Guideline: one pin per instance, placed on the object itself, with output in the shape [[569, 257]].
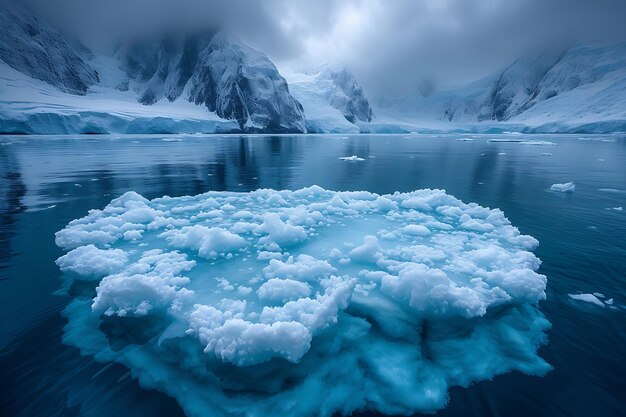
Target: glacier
[[306, 302], [30, 106]]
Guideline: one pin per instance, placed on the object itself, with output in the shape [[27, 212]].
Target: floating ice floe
[[612, 190], [351, 158], [304, 303], [538, 143], [588, 298], [568, 187]]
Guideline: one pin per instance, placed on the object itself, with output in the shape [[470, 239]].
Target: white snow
[[89, 262], [582, 91], [568, 187], [32, 106], [300, 299], [323, 100]]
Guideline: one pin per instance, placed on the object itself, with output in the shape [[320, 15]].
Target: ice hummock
[[307, 302]]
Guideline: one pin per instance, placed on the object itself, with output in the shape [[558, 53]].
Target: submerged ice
[[307, 302]]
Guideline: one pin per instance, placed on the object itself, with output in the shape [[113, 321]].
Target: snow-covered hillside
[[32, 47], [216, 71], [333, 100], [580, 89], [203, 83], [34, 107]]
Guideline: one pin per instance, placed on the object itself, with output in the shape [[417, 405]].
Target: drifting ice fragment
[[568, 187], [351, 158], [588, 298]]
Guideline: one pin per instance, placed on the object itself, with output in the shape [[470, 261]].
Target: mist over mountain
[[195, 74]]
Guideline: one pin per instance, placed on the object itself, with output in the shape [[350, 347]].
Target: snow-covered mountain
[[210, 81], [582, 88], [217, 71], [31, 46], [149, 86], [333, 100]]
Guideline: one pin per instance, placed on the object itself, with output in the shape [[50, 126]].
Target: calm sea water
[[46, 182]]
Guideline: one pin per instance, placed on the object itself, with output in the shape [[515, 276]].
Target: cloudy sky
[[446, 41]]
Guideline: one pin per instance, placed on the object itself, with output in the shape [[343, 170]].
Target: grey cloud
[[394, 41]]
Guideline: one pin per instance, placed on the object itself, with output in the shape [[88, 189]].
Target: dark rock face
[[161, 69], [240, 83], [219, 72], [32, 47], [350, 98]]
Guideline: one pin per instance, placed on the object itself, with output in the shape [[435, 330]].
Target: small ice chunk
[[567, 187], [588, 298], [283, 290], [351, 158], [208, 241], [416, 230], [92, 263]]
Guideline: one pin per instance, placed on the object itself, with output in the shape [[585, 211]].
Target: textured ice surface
[[307, 302]]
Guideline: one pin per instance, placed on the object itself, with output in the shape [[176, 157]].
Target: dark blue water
[[46, 182]]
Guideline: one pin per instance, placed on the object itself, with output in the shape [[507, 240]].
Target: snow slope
[[35, 107], [332, 99], [32, 47], [580, 89], [212, 70]]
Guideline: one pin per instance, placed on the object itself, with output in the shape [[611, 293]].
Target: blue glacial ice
[[307, 302]]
